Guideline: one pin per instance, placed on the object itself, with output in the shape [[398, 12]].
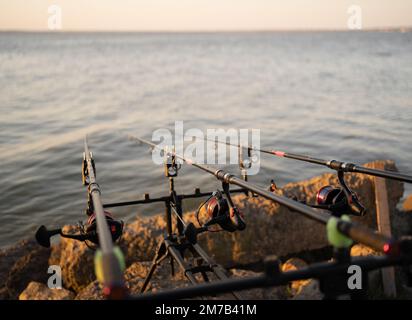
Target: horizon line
[[398, 28]]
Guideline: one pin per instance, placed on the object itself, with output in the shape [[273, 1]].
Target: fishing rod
[[339, 166], [99, 233], [107, 258], [337, 227]]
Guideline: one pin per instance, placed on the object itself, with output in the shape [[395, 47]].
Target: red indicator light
[[386, 248], [106, 291]]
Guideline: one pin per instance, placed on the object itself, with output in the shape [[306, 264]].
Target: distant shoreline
[[383, 29]]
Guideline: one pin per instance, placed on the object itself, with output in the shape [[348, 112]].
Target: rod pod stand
[[175, 245]]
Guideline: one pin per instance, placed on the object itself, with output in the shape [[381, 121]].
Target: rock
[[8, 258], [301, 289], [141, 237], [93, 291], [31, 267], [359, 250], [39, 291], [75, 260], [161, 279], [407, 204], [20, 264], [55, 253]]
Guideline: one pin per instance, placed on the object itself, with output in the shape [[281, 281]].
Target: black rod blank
[[332, 164]]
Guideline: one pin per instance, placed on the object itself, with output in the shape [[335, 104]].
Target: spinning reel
[[220, 211], [339, 201], [87, 233]]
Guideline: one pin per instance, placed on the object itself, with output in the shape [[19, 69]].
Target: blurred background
[[295, 71]]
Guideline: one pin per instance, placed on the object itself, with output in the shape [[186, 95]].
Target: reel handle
[[43, 236], [237, 219], [354, 204]]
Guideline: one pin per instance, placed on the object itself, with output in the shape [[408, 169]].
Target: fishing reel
[[86, 232], [220, 211], [340, 200]]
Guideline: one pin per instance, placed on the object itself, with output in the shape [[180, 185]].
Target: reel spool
[[222, 212], [219, 211], [115, 228], [331, 198], [339, 201]]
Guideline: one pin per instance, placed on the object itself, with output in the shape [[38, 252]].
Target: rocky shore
[[271, 229]]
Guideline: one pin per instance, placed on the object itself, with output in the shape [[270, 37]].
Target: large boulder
[[24, 262]]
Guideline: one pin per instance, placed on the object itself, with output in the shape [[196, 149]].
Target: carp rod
[[340, 228], [107, 265], [332, 164]]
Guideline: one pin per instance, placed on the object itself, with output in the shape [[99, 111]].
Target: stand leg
[[172, 266], [161, 254]]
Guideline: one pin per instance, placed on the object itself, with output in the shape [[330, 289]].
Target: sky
[[202, 15]]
